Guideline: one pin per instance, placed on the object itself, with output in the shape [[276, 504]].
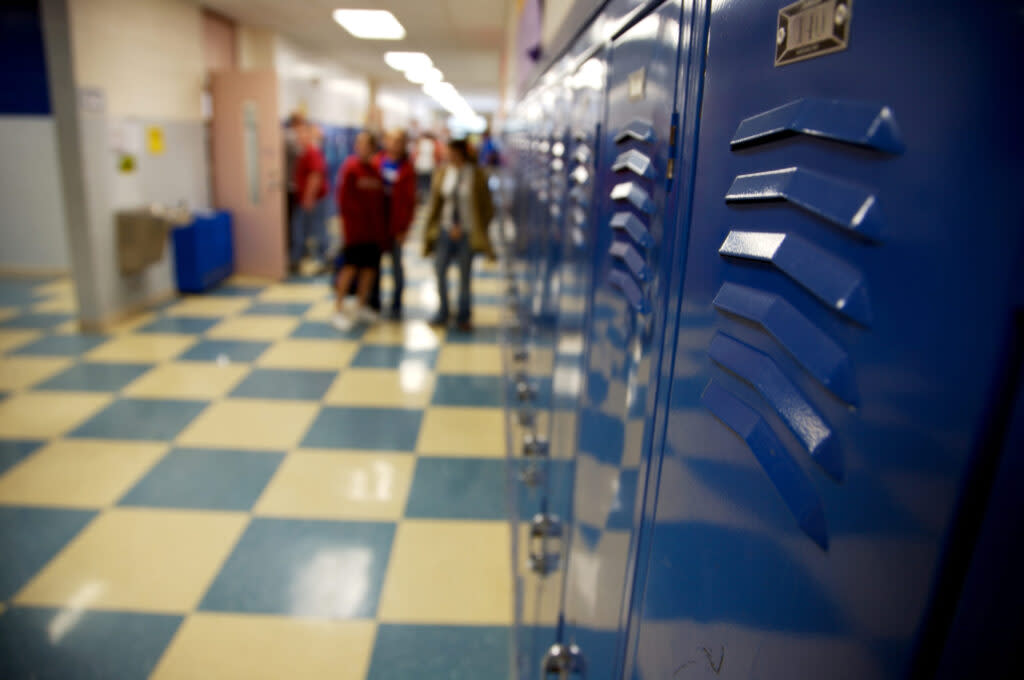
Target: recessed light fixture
[[370, 24], [407, 61], [424, 76]]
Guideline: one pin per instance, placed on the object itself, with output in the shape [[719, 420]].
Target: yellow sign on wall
[[155, 140]]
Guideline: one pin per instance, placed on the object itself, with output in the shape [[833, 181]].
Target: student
[[425, 160], [458, 216], [361, 204], [400, 186], [310, 179]]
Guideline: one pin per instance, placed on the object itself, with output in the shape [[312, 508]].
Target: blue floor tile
[[180, 324], [458, 488], [282, 384], [390, 356], [36, 321], [13, 452], [89, 645], [19, 292], [29, 538], [98, 377], [468, 390], [239, 351], [280, 308], [236, 291], [322, 330], [62, 345], [479, 334], [147, 419], [205, 480], [407, 652], [365, 428], [304, 568]]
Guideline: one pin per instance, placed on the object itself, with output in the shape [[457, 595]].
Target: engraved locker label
[[637, 84], [812, 28]]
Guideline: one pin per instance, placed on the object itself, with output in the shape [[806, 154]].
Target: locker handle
[[830, 279], [796, 489], [853, 208], [544, 528], [862, 124], [763, 374], [810, 346]]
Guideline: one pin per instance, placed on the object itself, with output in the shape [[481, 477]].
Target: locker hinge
[[673, 132]]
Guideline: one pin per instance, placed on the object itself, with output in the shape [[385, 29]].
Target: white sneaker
[[342, 322], [367, 315]]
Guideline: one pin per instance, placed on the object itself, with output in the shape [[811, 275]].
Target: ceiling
[[463, 37]]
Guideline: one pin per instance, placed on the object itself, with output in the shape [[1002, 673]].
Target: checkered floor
[[229, 488]]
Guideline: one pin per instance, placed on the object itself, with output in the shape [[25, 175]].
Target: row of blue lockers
[[764, 343]]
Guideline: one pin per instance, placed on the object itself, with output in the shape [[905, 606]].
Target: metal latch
[[535, 446], [544, 529], [563, 661]]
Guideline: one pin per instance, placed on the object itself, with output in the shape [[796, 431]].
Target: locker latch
[[545, 529], [562, 661]]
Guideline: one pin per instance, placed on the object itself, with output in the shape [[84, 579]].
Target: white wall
[[32, 226], [146, 55], [145, 58], [319, 87]]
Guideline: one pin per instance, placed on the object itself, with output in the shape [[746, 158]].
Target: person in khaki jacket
[[458, 216]]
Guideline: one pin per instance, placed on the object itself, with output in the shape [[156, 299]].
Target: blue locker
[[845, 323], [620, 338]]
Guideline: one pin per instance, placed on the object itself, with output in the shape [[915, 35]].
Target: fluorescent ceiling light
[[370, 24], [408, 61], [424, 76]]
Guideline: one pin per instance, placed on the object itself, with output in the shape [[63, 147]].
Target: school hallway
[[228, 487]]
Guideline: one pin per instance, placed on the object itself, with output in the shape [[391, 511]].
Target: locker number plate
[[812, 28]]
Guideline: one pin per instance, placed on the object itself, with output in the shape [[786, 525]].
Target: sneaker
[[342, 322], [439, 320], [367, 315], [464, 327]]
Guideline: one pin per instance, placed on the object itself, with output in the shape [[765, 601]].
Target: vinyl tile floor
[[227, 487]]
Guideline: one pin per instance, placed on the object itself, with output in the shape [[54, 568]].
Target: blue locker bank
[[764, 342]]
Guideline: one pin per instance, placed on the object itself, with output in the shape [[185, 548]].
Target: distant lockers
[[764, 343]]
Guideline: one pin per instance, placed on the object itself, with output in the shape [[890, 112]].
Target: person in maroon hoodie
[[400, 186], [362, 206]]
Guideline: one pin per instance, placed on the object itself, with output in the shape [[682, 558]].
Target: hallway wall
[[141, 66]]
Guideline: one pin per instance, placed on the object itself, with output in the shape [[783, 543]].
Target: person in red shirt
[[400, 186], [308, 219], [363, 209]]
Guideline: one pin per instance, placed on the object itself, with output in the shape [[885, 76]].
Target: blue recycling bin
[[203, 252]]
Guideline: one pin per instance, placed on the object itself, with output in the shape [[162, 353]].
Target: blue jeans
[[306, 223], [398, 273], [461, 254]]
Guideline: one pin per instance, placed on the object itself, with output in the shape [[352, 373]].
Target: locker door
[[621, 347], [845, 314], [554, 363], [539, 480]]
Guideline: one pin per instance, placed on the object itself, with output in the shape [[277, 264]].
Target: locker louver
[[835, 283], [635, 174]]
